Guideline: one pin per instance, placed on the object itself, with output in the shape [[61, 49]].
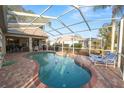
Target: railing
[[76, 49]]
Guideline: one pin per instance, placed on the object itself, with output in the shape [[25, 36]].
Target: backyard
[[61, 46]]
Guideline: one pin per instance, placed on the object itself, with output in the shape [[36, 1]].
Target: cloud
[[67, 9], [85, 10], [88, 12], [76, 16]]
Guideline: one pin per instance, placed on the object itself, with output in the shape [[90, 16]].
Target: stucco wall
[[2, 42]]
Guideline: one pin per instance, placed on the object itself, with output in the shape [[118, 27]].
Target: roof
[[29, 14], [69, 38], [22, 17], [27, 23], [30, 31]]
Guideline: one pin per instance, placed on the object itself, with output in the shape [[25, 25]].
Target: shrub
[[7, 63], [84, 52], [77, 45]]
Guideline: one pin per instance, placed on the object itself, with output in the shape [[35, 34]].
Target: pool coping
[[90, 66], [35, 76], [93, 79]]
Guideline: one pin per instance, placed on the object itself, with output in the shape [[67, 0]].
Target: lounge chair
[[99, 58], [109, 58]]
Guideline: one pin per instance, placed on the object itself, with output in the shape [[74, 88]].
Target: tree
[[117, 10], [106, 33], [19, 8], [95, 43]]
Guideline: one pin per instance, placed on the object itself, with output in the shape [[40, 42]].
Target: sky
[[73, 17]]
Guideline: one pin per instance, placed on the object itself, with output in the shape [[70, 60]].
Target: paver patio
[[109, 77], [17, 74], [21, 73]]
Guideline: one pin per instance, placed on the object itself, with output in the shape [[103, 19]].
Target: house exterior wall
[[3, 27], [30, 44], [29, 41], [3, 18], [2, 46], [2, 42]]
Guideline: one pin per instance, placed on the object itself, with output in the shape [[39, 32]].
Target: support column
[[1, 41], [113, 36], [73, 44], [54, 47], [4, 44], [123, 74], [90, 45], [40, 45], [120, 42], [1, 46], [47, 44], [102, 50], [30, 44], [47, 47], [62, 47]]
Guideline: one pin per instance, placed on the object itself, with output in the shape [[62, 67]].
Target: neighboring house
[[84, 43], [95, 43], [69, 39]]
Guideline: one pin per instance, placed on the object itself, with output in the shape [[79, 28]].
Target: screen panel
[[122, 55]]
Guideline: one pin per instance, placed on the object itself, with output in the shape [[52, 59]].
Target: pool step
[[34, 83], [37, 84], [30, 81], [42, 86]]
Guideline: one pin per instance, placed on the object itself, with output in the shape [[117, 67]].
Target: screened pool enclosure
[[72, 29]]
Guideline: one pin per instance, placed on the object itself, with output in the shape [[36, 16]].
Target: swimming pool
[[61, 72]]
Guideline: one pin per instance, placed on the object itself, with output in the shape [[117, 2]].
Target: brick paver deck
[[16, 75], [24, 74], [109, 77]]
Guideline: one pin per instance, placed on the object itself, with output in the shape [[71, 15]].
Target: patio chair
[[109, 58], [99, 58]]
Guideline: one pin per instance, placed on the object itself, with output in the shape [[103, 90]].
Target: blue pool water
[[60, 72]]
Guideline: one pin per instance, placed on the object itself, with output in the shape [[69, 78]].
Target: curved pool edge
[[40, 84], [93, 79], [92, 70], [89, 66], [35, 79]]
